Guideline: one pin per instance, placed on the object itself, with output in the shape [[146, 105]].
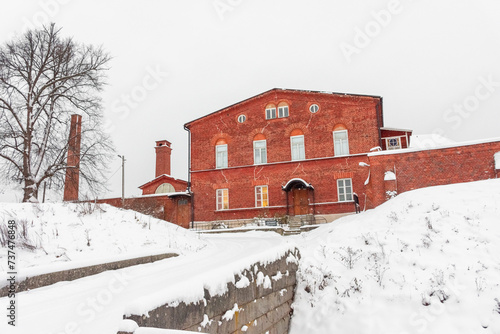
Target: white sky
[[427, 57]]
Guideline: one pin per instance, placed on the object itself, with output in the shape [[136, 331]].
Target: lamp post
[[123, 179]]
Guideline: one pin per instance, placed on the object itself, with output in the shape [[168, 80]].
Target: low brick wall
[[39, 281], [259, 302]]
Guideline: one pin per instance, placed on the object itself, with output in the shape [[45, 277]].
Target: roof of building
[[166, 176], [277, 90]]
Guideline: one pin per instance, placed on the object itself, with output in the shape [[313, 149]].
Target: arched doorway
[[299, 195]]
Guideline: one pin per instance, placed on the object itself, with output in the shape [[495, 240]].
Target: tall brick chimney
[[72, 181], [163, 151]]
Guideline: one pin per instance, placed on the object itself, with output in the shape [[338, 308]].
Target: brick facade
[[361, 116], [424, 168], [228, 192]]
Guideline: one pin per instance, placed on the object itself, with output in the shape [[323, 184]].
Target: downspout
[[379, 121], [189, 175]]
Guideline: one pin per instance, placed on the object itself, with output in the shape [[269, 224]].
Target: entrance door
[[183, 212], [300, 201]]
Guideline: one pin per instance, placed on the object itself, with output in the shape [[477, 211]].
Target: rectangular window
[[221, 156], [261, 197], [393, 143], [270, 113], [344, 189], [283, 111], [222, 199], [298, 150], [340, 143], [259, 152]]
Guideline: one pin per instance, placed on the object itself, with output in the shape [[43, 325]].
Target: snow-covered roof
[[430, 140], [395, 129], [161, 176], [437, 147], [296, 180]]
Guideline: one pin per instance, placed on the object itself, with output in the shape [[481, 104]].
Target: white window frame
[[222, 197], [393, 147], [221, 159], [301, 148], [271, 113], [259, 153], [260, 201], [242, 118], [340, 146], [283, 112], [314, 108], [342, 190]]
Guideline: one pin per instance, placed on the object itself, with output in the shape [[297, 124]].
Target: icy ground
[[427, 261]]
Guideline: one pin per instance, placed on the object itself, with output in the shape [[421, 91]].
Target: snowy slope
[[64, 235], [427, 261]]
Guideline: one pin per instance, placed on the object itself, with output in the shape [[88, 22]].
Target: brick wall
[[175, 210], [360, 115], [425, 168], [321, 174]]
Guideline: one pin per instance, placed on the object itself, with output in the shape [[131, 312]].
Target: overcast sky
[[436, 63]]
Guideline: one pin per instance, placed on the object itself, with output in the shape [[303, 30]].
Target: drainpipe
[[189, 175], [380, 116]]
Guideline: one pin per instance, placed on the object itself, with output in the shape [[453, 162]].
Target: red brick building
[[286, 152]]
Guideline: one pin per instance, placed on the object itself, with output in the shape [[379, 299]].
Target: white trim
[[265, 151], [226, 161], [347, 140], [393, 137], [275, 113], [345, 193], [298, 179], [395, 129], [217, 199], [303, 145], [262, 197]]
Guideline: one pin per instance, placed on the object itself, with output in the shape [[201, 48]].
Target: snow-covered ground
[[96, 304], [427, 261], [60, 236]]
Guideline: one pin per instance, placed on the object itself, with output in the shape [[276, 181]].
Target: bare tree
[[43, 80]]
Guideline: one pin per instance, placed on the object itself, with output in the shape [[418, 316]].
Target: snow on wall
[[389, 176]]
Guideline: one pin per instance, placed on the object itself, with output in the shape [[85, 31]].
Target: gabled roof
[[186, 126], [166, 176]]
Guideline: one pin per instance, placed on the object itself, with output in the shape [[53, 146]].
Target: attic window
[[270, 111], [313, 108], [282, 110], [242, 118]]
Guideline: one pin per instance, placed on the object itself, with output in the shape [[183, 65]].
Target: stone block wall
[[258, 301]]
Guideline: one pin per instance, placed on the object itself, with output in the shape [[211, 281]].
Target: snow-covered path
[[97, 303]]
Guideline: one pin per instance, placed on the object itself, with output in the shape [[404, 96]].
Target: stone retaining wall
[[258, 302], [72, 274]]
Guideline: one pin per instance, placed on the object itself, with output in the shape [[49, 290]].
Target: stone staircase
[[296, 222]]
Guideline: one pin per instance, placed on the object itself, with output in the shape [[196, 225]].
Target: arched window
[[270, 111], [340, 140], [221, 154], [297, 145], [259, 149], [282, 110], [165, 188]]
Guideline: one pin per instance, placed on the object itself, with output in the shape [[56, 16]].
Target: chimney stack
[[71, 183], [163, 151]]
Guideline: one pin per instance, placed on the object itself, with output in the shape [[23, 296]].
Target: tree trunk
[[30, 190]]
